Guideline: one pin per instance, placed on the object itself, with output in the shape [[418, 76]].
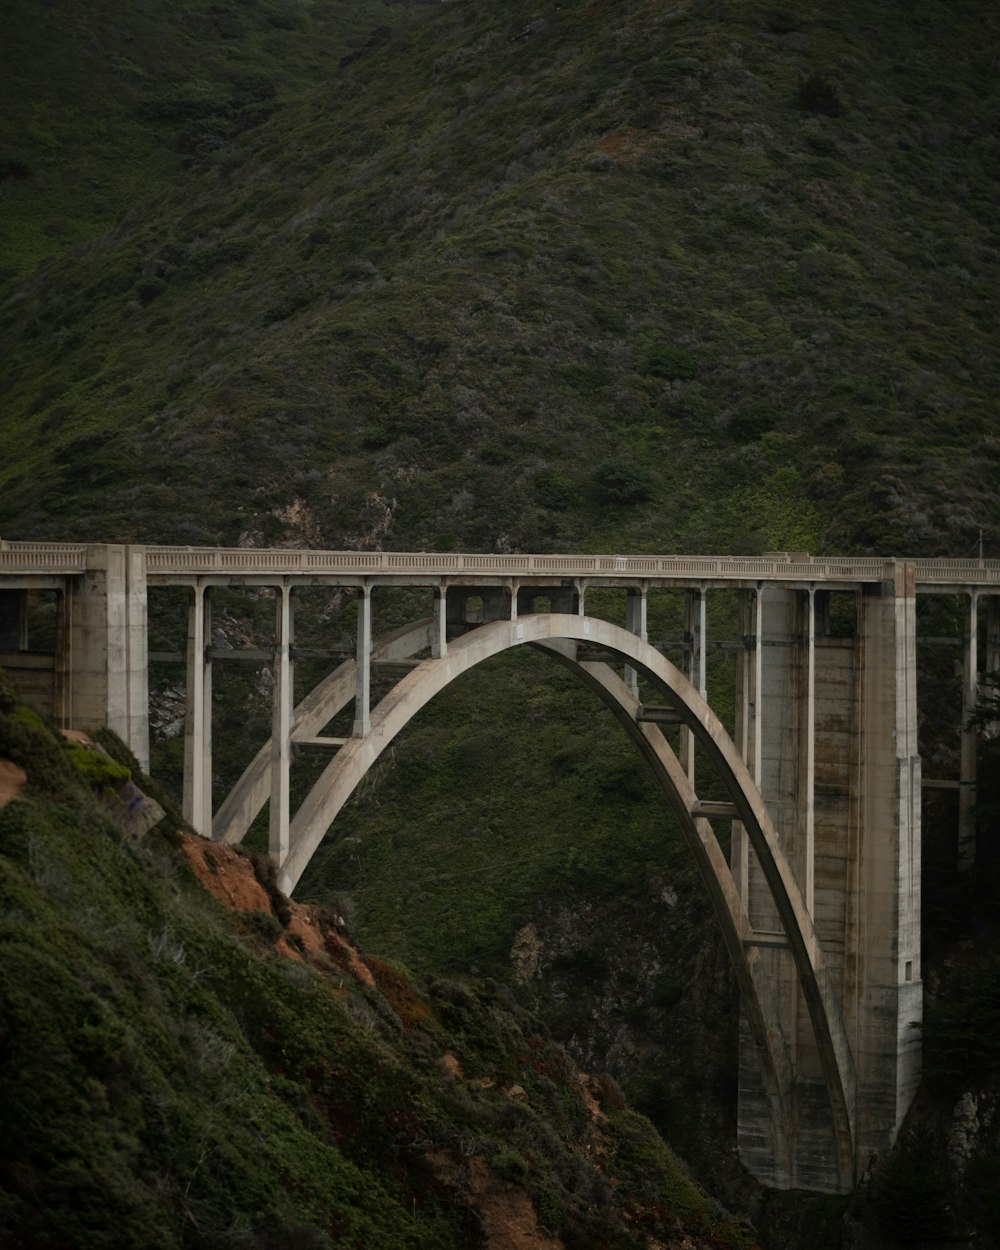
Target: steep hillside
[[645, 274], [178, 1073]]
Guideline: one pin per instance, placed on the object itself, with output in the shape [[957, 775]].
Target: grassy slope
[[104, 108], [565, 238]]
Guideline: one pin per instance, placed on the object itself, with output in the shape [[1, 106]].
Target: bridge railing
[[43, 557], [237, 560], [21, 557]]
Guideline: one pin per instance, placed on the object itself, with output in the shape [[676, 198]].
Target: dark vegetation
[[590, 276], [168, 1080]]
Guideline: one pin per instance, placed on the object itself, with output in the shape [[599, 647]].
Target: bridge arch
[[567, 638], [830, 724]]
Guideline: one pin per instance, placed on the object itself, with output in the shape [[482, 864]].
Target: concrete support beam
[[13, 620], [363, 695], [635, 623], [769, 725], [992, 666], [101, 661], [198, 715], [809, 779], [967, 774], [136, 735], [993, 633], [890, 993], [281, 725], [439, 625], [694, 644], [747, 737]]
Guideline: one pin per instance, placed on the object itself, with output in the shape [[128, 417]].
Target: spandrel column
[[967, 777], [809, 788], [694, 642], [363, 694], [198, 715], [281, 726], [635, 623]]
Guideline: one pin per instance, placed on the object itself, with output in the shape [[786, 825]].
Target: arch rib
[[353, 761], [246, 799]]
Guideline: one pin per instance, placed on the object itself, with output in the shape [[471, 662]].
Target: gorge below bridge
[[818, 899]]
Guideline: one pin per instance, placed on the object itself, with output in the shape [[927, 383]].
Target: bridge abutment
[[101, 656]]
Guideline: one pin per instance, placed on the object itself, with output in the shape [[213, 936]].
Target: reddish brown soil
[[308, 936], [12, 779]]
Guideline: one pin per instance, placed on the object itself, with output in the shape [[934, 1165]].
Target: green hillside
[[641, 275], [676, 277]]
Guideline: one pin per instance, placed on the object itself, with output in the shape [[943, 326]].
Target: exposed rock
[[526, 953]]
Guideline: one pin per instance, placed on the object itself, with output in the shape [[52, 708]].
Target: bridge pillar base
[[102, 658]]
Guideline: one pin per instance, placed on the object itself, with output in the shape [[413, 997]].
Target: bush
[[753, 422], [13, 167], [664, 361], [816, 94], [621, 484], [511, 1166]]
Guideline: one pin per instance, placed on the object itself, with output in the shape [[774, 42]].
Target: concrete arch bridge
[[818, 900]]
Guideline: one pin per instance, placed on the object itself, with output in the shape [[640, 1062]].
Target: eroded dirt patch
[[308, 936], [12, 779], [508, 1217]]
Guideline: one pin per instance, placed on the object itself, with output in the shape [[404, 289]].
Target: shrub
[[816, 94], [665, 361], [13, 167], [753, 421], [511, 1166], [621, 484]]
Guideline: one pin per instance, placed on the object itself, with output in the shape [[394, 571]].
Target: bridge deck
[[180, 565]]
